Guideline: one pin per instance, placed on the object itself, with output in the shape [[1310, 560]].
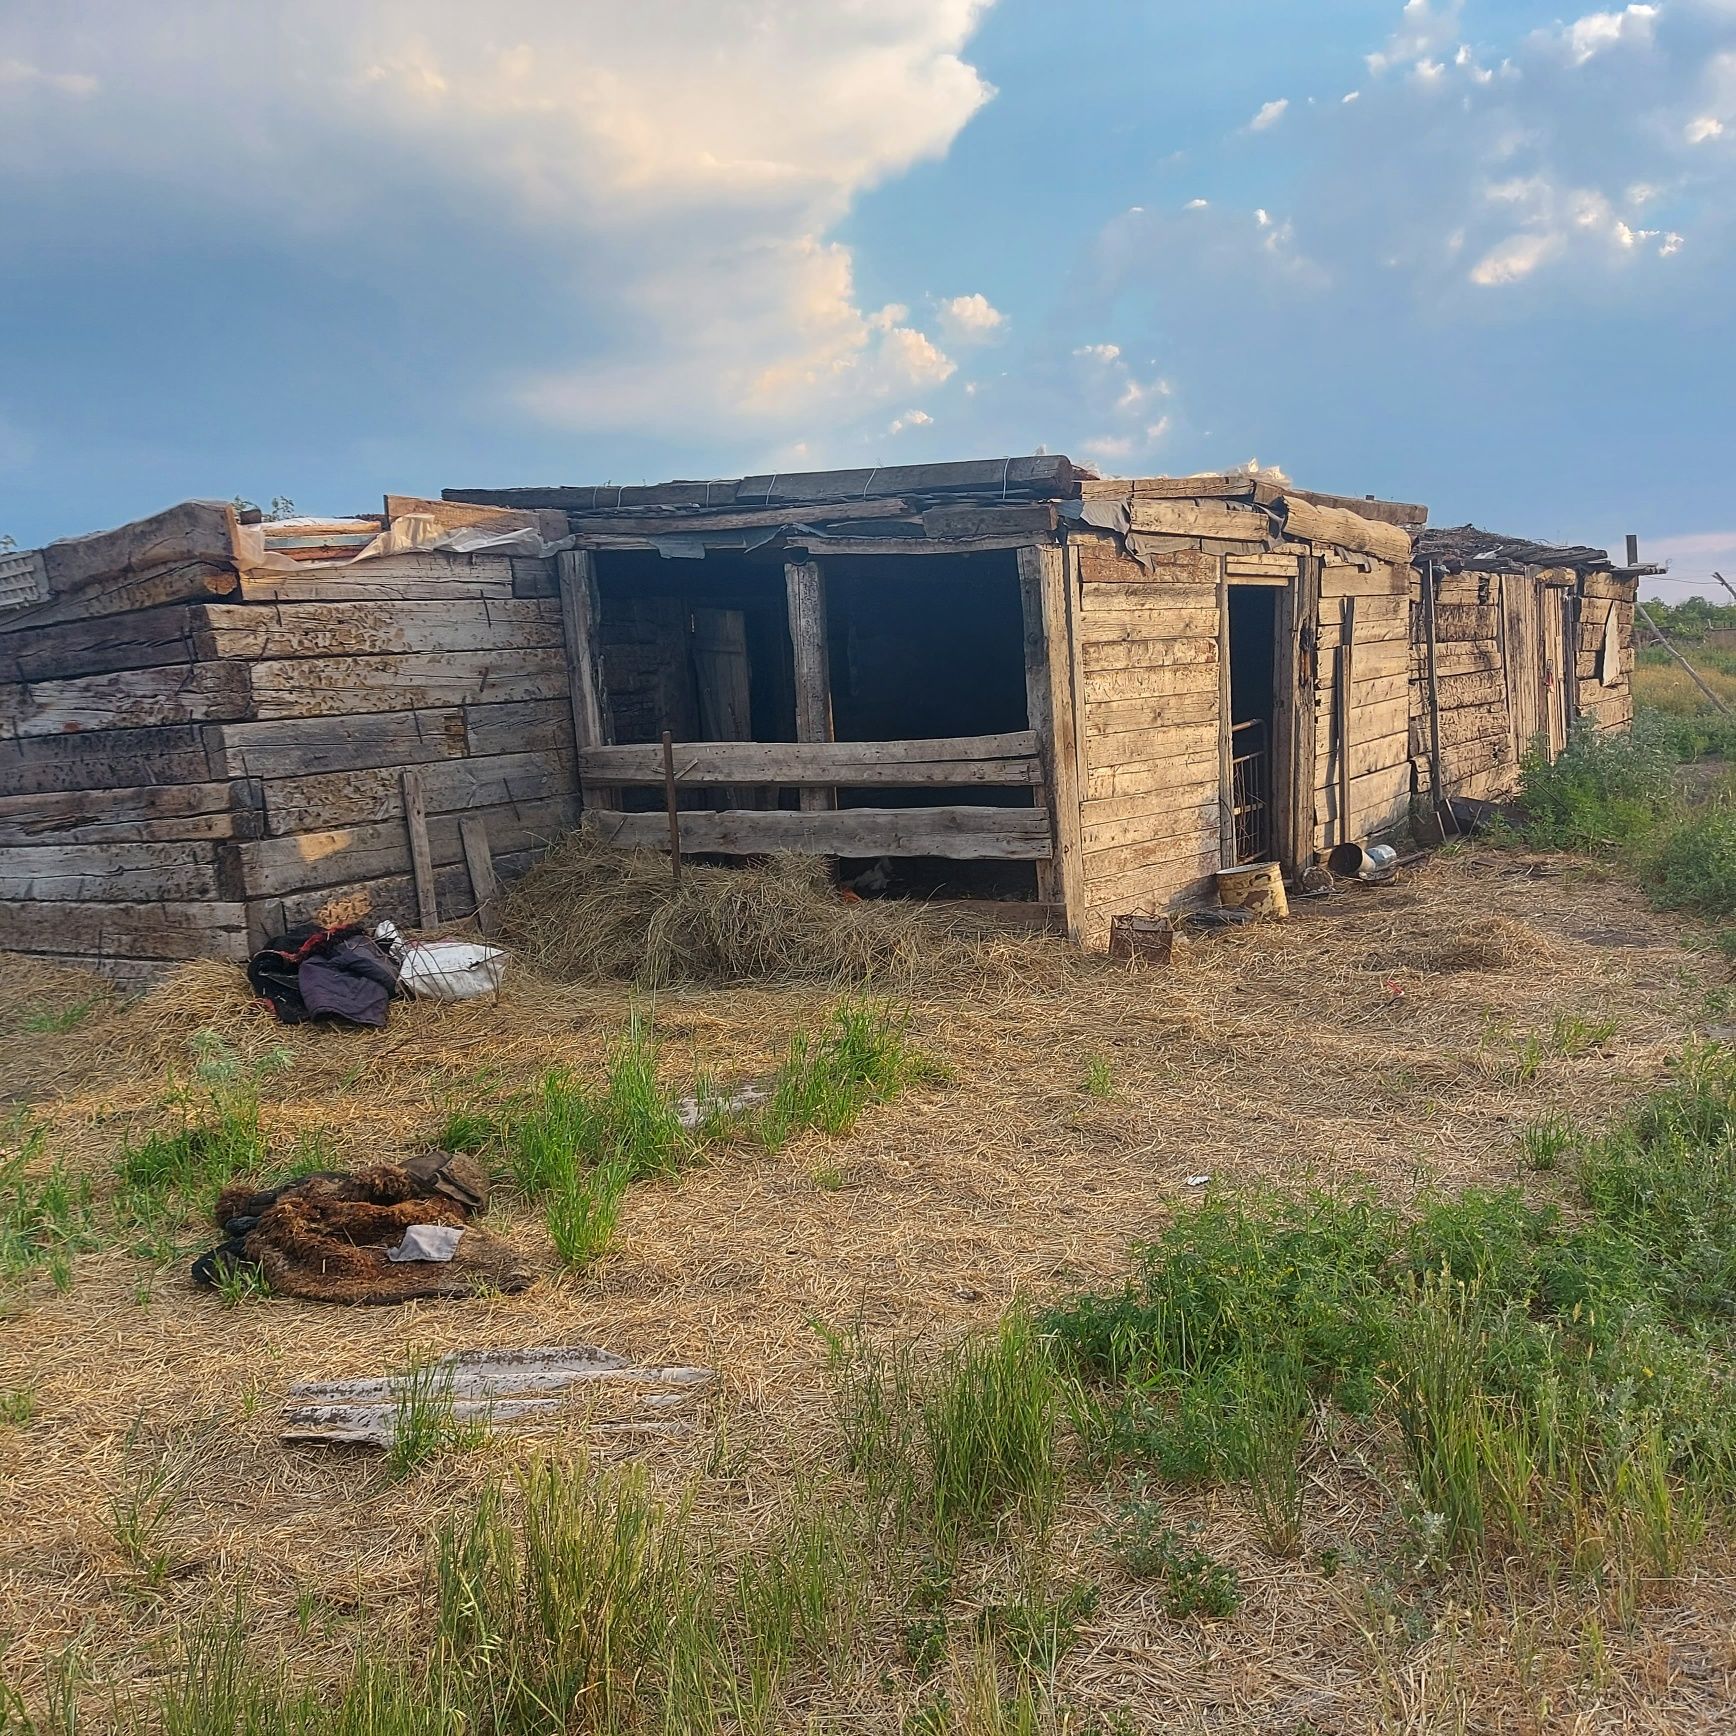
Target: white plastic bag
[[452, 970]]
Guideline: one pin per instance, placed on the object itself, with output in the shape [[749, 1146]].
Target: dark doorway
[[1253, 718]]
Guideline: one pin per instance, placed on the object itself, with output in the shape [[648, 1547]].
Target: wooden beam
[[1227, 853], [958, 834], [577, 576], [421, 858], [479, 861], [1432, 673], [970, 759], [1296, 774], [805, 585], [1040, 709], [1048, 583], [1345, 672]]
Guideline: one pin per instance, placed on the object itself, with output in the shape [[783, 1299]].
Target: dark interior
[[1253, 711], [922, 647]]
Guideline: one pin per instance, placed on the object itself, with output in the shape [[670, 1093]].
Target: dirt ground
[[1372, 1038]]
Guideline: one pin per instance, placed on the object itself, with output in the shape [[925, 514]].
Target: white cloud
[[1197, 205], [1351, 96], [971, 318], [649, 157], [1515, 259], [1269, 115], [1704, 127], [1591, 35], [1099, 352], [21, 72], [910, 419]]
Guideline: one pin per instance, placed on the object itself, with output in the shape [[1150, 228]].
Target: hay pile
[[587, 913], [1484, 943]]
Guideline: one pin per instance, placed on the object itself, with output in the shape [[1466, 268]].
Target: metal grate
[[1250, 798], [22, 579]]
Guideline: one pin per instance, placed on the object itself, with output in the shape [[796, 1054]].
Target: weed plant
[[1539, 1383], [45, 1213]]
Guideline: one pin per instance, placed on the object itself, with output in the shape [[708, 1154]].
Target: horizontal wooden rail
[[965, 759], [961, 834]]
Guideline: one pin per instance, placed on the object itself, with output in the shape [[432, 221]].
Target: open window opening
[[1253, 719], [700, 648], [923, 648]]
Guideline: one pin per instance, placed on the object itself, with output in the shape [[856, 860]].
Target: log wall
[[184, 779], [1500, 654], [1145, 696], [1377, 741]]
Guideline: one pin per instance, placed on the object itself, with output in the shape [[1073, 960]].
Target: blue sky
[[1469, 253]]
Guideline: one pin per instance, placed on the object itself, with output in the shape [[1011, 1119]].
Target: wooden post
[[1227, 854], [576, 569], [1698, 679], [421, 857], [473, 836], [1633, 550], [674, 812], [1346, 673], [1721, 580], [1045, 592], [1299, 764], [1431, 648], [806, 587]]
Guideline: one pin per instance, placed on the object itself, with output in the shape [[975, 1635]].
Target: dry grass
[[1275, 1053], [591, 914]]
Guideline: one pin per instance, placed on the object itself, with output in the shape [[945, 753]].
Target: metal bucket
[[1258, 887]]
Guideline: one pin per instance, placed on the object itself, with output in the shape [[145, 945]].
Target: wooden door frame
[[1295, 652]]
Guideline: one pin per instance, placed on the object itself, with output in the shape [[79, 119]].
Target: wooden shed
[[1013, 679], [1515, 644], [209, 731], [1009, 681]]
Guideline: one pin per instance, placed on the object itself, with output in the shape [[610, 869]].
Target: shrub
[[1603, 792]]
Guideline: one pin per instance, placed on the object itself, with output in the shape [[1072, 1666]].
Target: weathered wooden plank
[[1182, 785], [1112, 717], [126, 699], [1351, 581], [1161, 605], [194, 583], [104, 759], [297, 747], [519, 726], [1112, 825], [1223, 519], [1193, 836], [110, 873], [330, 800], [421, 857], [1475, 723], [1128, 626], [326, 687], [354, 854], [359, 629], [1159, 886], [1102, 562], [1156, 682], [1281, 567], [1098, 657], [1468, 621], [1383, 693], [586, 696], [417, 577], [1048, 583], [966, 834], [146, 639], [158, 930], [1397, 512], [987, 759], [1338, 527], [1047, 475], [1162, 742], [968, 523], [479, 864], [195, 531], [167, 814], [805, 588], [1375, 798]]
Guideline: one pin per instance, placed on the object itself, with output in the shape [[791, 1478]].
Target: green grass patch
[[578, 1146], [177, 1173], [45, 1213], [1536, 1382]]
